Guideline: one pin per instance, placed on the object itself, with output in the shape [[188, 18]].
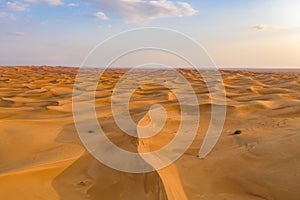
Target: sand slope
[[42, 157]]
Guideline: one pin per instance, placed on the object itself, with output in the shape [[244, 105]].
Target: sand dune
[[42, 157]]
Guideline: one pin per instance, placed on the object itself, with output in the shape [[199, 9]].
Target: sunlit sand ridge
[[43, 158]]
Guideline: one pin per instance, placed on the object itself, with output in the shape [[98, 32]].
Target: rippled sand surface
[[42, 157]]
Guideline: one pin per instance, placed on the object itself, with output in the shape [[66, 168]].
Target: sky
[[244, 33]]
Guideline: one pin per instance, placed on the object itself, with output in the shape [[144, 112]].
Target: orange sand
[[42, 157]]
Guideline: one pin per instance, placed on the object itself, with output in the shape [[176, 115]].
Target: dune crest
[[42, 156], [169, 175]]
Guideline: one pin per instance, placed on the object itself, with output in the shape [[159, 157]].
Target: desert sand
[[42, 157]]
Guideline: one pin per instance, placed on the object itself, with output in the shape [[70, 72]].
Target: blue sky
[[253, 33]]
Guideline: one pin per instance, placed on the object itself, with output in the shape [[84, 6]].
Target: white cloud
[[101, 15], [139, 11], [50, 2], [188, 9], [18, 6], [71, 5]]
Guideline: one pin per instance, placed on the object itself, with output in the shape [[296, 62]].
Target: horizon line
[[178, 67]]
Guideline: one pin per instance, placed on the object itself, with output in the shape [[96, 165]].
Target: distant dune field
[[42, 157]]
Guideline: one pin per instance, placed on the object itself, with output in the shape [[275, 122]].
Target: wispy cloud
[[43, 23], [71, 5], [3, 14], [140, 11], [6, 15], [50, 2], [16, 5], [15, 34], [263, 27], [53, 3], [102, 27], [101, 15]]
